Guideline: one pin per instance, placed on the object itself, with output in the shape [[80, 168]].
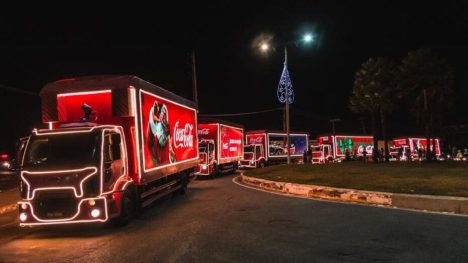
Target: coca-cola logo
[[183, 136], [233, 141], [255, 140], [204, 131]]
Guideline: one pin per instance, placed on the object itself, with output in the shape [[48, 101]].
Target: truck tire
[[234, 167], [128, 207], [261, 164], [215, 171], [183, 183]]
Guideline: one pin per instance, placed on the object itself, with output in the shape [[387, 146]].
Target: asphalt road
[[219, 221]]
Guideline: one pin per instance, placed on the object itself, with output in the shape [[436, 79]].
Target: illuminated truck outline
[[119, 179], [411, 143], [258, 140], [328, 147], [216, 140]]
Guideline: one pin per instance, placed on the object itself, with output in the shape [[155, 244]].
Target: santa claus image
[[159, 135]]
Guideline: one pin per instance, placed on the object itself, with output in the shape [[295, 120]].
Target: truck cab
[[68, 173], [114, 144], [206, 151], [321, 153], [254, 156]]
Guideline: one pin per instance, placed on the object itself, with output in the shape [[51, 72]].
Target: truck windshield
[[248, 149], [61, 151]]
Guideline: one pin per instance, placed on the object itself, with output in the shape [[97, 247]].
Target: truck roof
[[97, 83], [206, 120], [348, 134], [73, 127], [413, 137], [275, 131]]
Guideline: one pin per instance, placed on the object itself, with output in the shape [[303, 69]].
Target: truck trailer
[[221, 146], [266, 147], [332, 148], [113, 145], [410, 146]]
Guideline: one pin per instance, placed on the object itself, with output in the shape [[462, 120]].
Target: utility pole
[[363, 125], [288, 143], [333, 125], [194, 80]]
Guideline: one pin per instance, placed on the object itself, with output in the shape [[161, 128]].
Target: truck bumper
[[86, 210], [247, 164], [203, 170]]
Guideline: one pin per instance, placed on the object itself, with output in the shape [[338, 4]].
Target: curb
[[8, 208], [444, 204]]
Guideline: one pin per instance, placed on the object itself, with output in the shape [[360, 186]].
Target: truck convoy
[[114, 144], [221, 146], [266, 147], [117, 143], [331, 148]]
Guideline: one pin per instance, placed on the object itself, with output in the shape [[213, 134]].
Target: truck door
[[113, 162], [258, 152], [20, 147]]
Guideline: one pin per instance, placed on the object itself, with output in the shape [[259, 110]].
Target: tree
[[426, 79], [373, 92]]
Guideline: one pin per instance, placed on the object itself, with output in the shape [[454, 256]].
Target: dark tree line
[[422, 81]]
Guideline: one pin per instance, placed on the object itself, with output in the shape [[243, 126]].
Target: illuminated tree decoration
[[346, 143], [285, 83]]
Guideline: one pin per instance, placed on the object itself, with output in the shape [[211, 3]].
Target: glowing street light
[[264, 47], [308, 38]]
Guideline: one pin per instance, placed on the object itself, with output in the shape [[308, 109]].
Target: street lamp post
[[285, 92], [288, 143]]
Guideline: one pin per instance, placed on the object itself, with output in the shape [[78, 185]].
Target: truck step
[[158, 189], [158, 196]]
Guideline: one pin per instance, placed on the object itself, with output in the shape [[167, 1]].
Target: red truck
[[114, 144], [266, 147], [409, 146], [331, 148], [220, 146]]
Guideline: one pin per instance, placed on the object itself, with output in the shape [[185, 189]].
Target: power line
[[239, 114], [18, 90]]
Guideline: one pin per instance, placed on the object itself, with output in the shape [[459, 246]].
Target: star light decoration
[[285, 83]]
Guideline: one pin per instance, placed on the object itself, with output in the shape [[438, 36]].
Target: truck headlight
[[23, 217], [95, 213]]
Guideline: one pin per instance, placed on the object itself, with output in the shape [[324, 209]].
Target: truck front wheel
[[128, 207], [215, 171], [261, 164]]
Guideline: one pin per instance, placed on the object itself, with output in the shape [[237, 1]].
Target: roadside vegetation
[[440, 178]]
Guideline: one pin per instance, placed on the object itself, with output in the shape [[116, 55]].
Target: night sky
[[155, 41]]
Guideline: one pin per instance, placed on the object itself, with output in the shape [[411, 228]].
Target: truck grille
[[55, 204]]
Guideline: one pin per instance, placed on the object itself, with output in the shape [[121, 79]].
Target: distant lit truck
[[267, 147], [412, 146], [113, 144], [331, 148], [221, 146]]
